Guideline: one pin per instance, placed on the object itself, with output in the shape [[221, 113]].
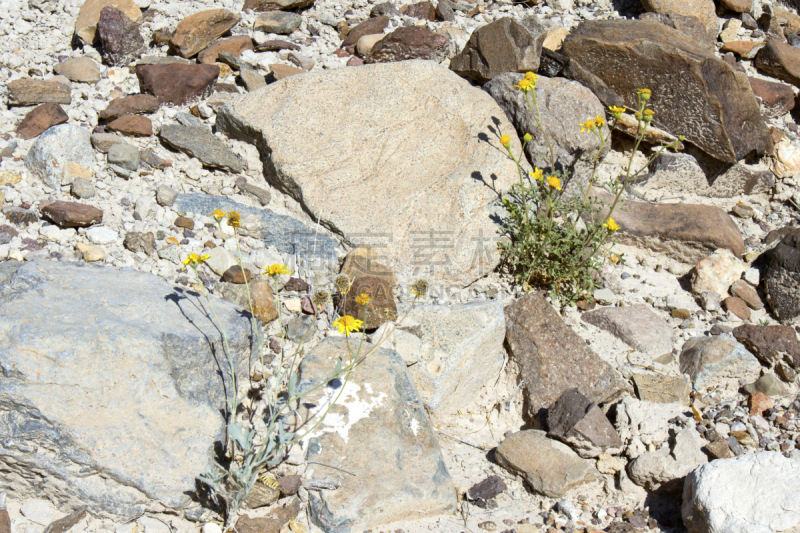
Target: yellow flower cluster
[[554, 182], [363, 299], [234, 219], [276, 270], [611, 224], [528, 83], [194, 260], [537, 174]]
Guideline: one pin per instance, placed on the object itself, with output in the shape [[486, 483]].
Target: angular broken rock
[[54, 148], [233, 45], [552, 358], [579, 422], [770, 344], [72, 214], [717, 272], [776, 98], [276, 5], [563, 105], [89, 15], [133, 104], [39, 119], [460, 350], [111, 448], [685, 232], [501, 46], [378, 411], [132, 125], [702, 10], [197, 31], [715, 108], [782, 277], [371, 26], [548, 466], [120, 38], [717, 360], [664, 469], [177, 83], [780, 60], [662, 388], [409, 42], [635, 325], [201, 144], [28, 91], [464, 162], [690, 25]]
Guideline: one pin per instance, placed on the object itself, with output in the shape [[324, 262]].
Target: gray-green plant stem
[[253, 320], [539, 125]]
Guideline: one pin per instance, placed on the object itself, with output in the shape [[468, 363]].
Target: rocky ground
[[668, 401]]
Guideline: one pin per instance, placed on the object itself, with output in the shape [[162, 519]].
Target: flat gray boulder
[[635, 325], [411, 158], [379, 431], [113, 386]]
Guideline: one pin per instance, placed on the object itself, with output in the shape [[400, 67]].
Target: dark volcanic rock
[[768, 343], [368, 27], [695, 94], [496, 48], [416, 42], [579, 422], [72, 214], [121, 40], [134, 104], [782, 278], [39, 119]]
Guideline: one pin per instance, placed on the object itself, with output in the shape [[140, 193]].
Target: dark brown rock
[[715, 108], [496, 48], [483, 491], [28, 91], [236, 274], [275, 5], [19, 215], [688, 25], [184, 222], [703, 10], [686, 232], [134, 104], [370, 26], [120, 38], [260, 295], [199, 30], [273, 45], [296, 284], [72, 214], [782, 277], [780, 60], [420, 10], [62, 525], [552, 358], [768, 342], [140, 242], [576, 420], [737, 307], [747, 293], [132, 125], [39, 119], [354, 62], [776, 99], [444, 12], [233, 45], [416, 42], [280, 71], [176, 83], [271, 523], [719, 449]]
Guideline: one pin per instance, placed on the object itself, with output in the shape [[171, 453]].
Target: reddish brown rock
[[420, 10], [72, 214], [39, 119], [135, 104], [780, 60], [197, 31], [703, 10], [769, 342], [686, 232], [760, 402], [552, 358], [370, 26], [280, 71], [354, 62], [236, 274], [744, 49], [414, 42], [132, 125], [177, 83], [271, 523], [776, 99], [715, 109], [737, 307], [28, 91], [234, 45], [747, 293], [184, 222]]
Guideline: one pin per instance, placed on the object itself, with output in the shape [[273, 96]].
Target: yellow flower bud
[[505, 140]]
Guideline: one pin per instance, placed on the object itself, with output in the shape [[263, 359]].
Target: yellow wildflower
[[348, 324], [536, 174], [554, 182], [218, 214], [505, 140], [611, 224], [234, 220], [588, 125], [599, 121], [616, 111], [194, 260], [532, 77], [363, 299], [524, 85], [276, 270], [644, 94], [527, 137]]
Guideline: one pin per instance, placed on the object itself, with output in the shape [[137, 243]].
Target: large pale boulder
[[411, 156], [114, 384], [695, 94]]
